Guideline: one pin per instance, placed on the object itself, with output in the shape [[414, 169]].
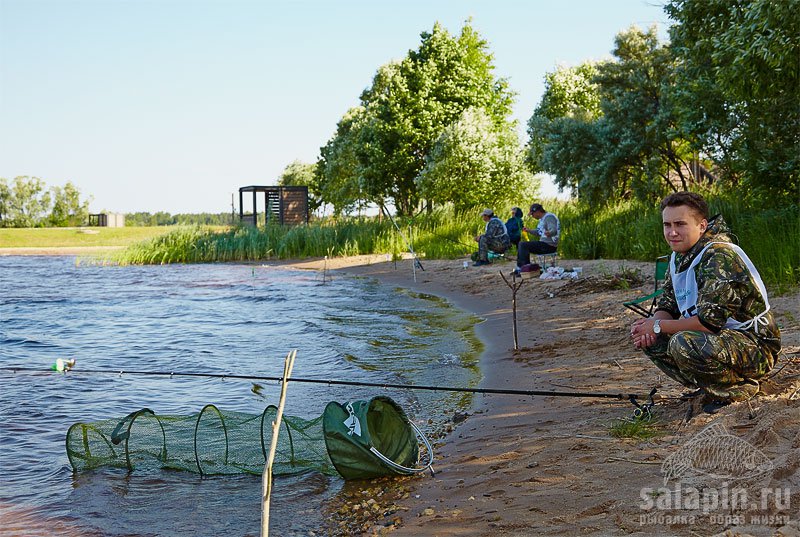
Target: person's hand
[[642, 333]]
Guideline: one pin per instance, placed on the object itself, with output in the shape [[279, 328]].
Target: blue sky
[[172, 105]]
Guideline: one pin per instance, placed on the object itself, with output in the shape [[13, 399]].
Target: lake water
[[219, 318]]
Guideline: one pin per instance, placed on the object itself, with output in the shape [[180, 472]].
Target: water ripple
[[222, 319]]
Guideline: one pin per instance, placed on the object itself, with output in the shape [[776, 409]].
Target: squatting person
[[712, 328]]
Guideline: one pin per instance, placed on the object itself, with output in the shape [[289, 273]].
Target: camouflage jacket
[[724, 288], [495, 230]]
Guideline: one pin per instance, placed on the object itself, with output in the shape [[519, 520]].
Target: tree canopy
[[737, 83], [720, 103], [26, 202], [473, 162], [385, 146]]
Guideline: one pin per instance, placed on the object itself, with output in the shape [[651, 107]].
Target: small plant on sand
[[636, 428]]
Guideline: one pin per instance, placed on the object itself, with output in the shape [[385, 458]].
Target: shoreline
[[549, 465], [545, 465], [58, 250]]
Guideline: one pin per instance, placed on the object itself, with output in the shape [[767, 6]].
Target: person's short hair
[[694, 201], [535, 208]]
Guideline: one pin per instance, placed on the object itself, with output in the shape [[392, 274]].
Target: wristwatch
[[657, 326]]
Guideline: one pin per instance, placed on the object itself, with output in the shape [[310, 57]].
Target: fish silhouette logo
[[352, 423], [716, 453]]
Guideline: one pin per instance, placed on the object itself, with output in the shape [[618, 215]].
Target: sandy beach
[[549, 465]]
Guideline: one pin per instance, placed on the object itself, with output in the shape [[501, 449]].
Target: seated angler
[[514, 226], [494, 238], [548, 230], [712, 328]]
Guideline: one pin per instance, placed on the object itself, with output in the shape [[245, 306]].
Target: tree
[[648, 151], [338, 166], [301, 174], [569, 93], [474, 162], [609, 129], [411, 102], [25, 202], [68, 210], [5, 193], [738, 86]]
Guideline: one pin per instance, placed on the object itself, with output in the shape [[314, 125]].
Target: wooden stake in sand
[[266, 478], [514, 287]]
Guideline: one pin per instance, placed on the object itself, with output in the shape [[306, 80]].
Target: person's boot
[[715, 405]]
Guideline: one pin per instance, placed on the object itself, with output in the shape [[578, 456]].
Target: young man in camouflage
[[712, 328], [494, 238]]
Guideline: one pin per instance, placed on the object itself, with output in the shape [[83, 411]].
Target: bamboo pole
[[266, 478]]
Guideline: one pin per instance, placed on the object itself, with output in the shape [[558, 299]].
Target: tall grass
[[628, 230], [633, 230]]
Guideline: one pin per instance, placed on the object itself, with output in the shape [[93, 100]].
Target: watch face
[[657, 327]]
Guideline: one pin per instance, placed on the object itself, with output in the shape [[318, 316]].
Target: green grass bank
[[47, 237], [628, 230]]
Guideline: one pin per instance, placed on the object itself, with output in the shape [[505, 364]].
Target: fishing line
[[530, 393], [417, 262]]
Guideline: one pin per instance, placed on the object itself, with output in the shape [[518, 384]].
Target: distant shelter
[[107, 220], [285, 205]]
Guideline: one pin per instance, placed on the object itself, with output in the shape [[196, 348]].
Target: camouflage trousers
[[726, 365], [498, 246]]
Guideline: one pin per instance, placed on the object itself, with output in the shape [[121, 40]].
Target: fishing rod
[[494, 391], [417, 262]]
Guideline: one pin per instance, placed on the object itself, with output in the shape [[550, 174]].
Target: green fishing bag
[[367, 439]]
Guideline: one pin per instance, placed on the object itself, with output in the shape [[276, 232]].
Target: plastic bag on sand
[[558, 273]]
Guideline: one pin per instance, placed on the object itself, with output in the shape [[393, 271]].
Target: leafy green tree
[[68, 210], [638, 119], [569, 92], [301, 174], [338, 166], [25, 202], [411, 102], [738, 86], [5, 193], [622, 140], [474, 162]]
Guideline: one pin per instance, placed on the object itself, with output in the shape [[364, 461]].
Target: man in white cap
[[494, 238]]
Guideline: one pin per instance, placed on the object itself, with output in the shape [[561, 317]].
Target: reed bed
[[627, 230]]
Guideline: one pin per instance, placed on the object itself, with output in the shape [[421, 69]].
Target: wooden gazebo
[[282, 204]]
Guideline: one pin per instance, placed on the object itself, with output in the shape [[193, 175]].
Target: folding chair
[[662, 264], [543, 258]]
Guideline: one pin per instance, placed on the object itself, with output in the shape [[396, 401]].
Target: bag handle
[[406, 469]]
